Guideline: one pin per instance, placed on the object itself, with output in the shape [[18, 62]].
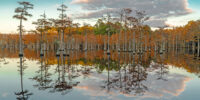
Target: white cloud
[[79, 1], [5, 94], [157, 89], [160, 10]]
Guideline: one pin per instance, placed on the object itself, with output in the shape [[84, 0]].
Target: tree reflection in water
[[129, 78], [135, 76], [43, 76], [23, 94], [162, 69], [64, 83], [126, 73], [85, 70], [3, 61]]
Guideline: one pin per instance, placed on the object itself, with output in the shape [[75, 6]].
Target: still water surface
[[93, 75]]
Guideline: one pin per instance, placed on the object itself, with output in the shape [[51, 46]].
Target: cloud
[[95, 14], [158, 9], [5, 94], [156, 22], [156, 89], [79, 1]]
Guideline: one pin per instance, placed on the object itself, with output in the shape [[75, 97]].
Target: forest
[[117, 31], [120, 57]]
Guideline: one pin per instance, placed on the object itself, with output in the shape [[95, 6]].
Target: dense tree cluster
[[122, 31]]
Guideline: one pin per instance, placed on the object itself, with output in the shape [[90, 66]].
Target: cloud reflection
[[157, 89]]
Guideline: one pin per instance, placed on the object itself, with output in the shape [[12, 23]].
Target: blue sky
[[9, 25], [89, 10], [182, 20], [194, 4]]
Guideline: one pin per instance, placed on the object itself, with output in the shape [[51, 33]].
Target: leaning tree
[[22, 14]]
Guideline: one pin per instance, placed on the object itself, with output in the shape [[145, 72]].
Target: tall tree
[[63, 21], [141, 18], [22, 14], [42, 26]]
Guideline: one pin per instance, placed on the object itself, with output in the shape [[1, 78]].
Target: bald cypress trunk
[[133, 43], [198, 47], [20, 38], [176, 43], [86, 44], [145, 44], [104, 44], [193, 47]]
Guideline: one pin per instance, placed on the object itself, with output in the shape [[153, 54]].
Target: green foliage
[[102, 27], [102, 64]]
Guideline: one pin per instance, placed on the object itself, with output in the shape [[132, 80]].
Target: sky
[[161, 12]]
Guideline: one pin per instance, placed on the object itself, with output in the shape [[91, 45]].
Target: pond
[[94, 75]]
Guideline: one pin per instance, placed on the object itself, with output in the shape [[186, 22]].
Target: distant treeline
[[97, 35]]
